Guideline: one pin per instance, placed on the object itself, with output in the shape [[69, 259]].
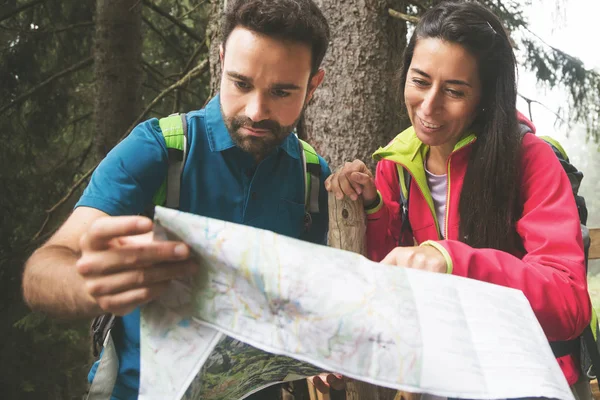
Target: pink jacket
[[551, 273]]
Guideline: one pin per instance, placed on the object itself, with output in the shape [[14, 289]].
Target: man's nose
[[257, 108]]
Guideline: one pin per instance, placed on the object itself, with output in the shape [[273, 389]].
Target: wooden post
[[347, 225], [347, 231]]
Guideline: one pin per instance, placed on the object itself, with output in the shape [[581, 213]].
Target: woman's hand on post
[[426, 258], [353, 179]]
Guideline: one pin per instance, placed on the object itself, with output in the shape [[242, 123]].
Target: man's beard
[[258, 147]]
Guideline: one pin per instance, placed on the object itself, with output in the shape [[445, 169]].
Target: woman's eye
[[455, 93], [419, 82]]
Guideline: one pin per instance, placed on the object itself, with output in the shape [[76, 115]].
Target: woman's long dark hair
[[489, 203]]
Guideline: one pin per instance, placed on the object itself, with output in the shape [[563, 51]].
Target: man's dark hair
[[295, 20]]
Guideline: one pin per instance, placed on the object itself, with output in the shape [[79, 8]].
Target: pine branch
[[194, 73], [74, 68], [557, 50], [158, 73], [402, 16], [137, 3], [418, 5], [163, 37], [66, 158], [531, 101], [192, 10], [17, 10], [49, 31], [195, 54], [68, 27], [174, 20]]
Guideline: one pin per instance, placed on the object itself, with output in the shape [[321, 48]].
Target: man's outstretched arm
[[96, 264]]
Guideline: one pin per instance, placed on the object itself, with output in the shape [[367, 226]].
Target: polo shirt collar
[[219, 138]]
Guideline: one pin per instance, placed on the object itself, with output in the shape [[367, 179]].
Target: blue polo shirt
[[219, 181]]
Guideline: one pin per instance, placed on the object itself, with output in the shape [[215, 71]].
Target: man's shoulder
[[196, 116], [196, 121]]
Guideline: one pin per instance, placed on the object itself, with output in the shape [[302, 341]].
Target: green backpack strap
[[556, 145], [174, 130], [312, 176]]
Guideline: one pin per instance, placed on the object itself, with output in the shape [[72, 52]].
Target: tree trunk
[[118, 61], [357, 109], [217, 8]]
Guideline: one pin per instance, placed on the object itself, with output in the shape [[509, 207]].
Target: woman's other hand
[[426, 258]]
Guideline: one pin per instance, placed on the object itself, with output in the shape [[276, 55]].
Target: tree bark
[[217, 7], [118, 69], [357, 109]]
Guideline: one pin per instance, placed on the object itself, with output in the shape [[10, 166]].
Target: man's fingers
[[319, 384], [135, 240], [124, 303], [323, 382], [105, 229], [131, 257], [140, 278], [336, 381]]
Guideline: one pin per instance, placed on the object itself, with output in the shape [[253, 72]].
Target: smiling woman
[[441, 94], [471, 184]]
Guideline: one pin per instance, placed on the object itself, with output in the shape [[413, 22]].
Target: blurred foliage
[[47, 89]]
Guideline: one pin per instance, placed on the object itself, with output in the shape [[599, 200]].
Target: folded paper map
[[266, 308]]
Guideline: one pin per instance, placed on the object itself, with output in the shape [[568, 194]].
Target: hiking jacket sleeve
[[551, 273], [384, 222]]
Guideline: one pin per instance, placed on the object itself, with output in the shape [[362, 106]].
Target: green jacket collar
[[406, 149], [408, 152]]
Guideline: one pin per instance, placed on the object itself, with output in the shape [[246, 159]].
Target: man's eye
[[241, 85], [280, 93]]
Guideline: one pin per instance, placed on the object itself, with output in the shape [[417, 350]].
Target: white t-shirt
[[438, 186]]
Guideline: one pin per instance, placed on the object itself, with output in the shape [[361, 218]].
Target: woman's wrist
[[373, 203]]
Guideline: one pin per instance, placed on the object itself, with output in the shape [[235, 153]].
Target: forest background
[[77, 76]]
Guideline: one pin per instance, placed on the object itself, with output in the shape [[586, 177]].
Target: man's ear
[[314, 83], [221, 54]]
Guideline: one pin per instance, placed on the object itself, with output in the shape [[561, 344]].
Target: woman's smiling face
[[442, 91]]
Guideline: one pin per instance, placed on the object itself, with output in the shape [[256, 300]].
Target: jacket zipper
[[446, 224]]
